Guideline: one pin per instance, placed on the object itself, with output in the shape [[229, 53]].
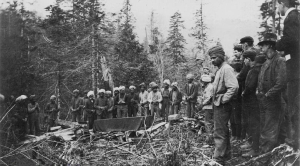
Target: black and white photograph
[[149, 82]]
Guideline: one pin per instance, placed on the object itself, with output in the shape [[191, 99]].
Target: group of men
[[258, 92], [152, 101]]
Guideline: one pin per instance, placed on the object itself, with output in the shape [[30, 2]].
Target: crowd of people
[[254, 98]]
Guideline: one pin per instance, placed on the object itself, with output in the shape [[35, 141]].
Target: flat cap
[[238, 47], [249, 54], [246, 39]]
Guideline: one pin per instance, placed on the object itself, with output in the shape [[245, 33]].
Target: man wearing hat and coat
[[165, 92], [289, 44], [191, 94], [271, 83], [76, 106], [250, 102], [90, 109], [33, 116], [52, 112], [143, 98], [225, 87], [175, 99], [133, 99], [155, 99], [101, 104]]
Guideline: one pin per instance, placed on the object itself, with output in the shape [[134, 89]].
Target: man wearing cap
[[165, 92], [225, 87], [175, 99], [143, 98], [251, 104], [116, 93], [90, 109], [133, 99], [191, 93], [154, 99], [121, 102], [110, 106], [101, 105], [52, 112], [271, 83], [33, 116], [76, 106], [84, 100], [207, 103], [289, 44]]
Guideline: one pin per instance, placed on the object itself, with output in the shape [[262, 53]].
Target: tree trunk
[[94, 64], [273, 16]]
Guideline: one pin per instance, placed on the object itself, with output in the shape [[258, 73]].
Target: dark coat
[[272, 77], [193, 92], [290, 43], [251, 84], [178, 98]]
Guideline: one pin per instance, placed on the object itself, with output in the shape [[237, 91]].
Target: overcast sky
[[227, 20]]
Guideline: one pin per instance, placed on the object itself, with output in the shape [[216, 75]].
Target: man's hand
[[247, 62]]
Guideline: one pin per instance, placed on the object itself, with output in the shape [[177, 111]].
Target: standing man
[[143, 98], [191, 93], [154, 99], [122, 103], [207, 103], [165, 91], [90, 109], [175, 99], [20, 117], [271, 82], [101, 105], [52, 112], [290, 45], [85, 99], [110, 106], [116, 94], [133, 102], [225, 87], [251, 104], [76, 106], [33, 116]]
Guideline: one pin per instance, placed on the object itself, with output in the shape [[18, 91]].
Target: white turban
[[22, 97], [52, 97], [206, 78], [167, 81], [101, 91], [174, 84], [122, 87], [116, 89], [190, 76], [132, 87], [90, 93], [108, 92], [76, 91]]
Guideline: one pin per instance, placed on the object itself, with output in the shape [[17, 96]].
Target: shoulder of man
[[294, 14]]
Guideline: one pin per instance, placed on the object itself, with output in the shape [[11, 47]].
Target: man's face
[[154, 89], [264, 48], [215, 60], [244, 46], [132, 90], [91, 97], [174, 87], [101, 94], [122, 91], [52, 100], [190, 80], [116, 93], [247, 61], [166, 85], [142, 88], [76, 94]]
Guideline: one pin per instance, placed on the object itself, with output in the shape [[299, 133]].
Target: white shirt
[[143, 97]]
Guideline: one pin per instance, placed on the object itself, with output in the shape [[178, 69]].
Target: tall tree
[[131, 64], [175, 39]]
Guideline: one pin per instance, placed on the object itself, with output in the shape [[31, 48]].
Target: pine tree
[[175, 39]]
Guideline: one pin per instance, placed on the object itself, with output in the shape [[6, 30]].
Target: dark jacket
[[90, 107], [193, 92], [290, 43], [251, 83], [272, 77], [245, 69], [125, 98], [101, 105], [178, 99], [52, 110]]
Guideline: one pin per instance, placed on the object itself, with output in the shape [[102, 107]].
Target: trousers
[[33, 120], [270, 119], [190, 110], [221, 132], [155, 108], [235, 118], [76, 116], [174, 109], [209, 120], [164, 112], [122, 111]]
